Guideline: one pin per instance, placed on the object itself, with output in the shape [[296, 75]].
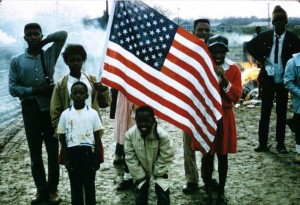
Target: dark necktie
[[276, 49]]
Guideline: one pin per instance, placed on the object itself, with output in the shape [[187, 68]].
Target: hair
[[80, 83], [146, 108], [74, 49], [32, 26], [200, 21]]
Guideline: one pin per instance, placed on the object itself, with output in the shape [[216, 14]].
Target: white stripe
[[199, 86], [188, 76], [160, 76], [188, 59], [134, 92]]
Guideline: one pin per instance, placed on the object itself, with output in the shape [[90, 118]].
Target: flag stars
[[154, 23], [148, 24], [164, 46], [125, 31], [144, 51], [148, 42], [145, 16], [164, 29], [137, 53], [167, 36], [135, 9], [127, 39], [161, 21], [145, 34], [135, 28], [161, 38], [150, 49], [156, 64], [157, 30], [152, 14], [146, 58], [153, 56], [151, 32], [160, 55], [171, 27]]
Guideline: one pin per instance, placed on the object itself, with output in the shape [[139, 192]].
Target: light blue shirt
[[27, 71], [292, 80], [275, 69]]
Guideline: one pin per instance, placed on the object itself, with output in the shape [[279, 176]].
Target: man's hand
[[44, 89]]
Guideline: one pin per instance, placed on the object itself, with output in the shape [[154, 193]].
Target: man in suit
[[273, 49]]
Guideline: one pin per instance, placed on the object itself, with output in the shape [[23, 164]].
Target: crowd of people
[[68, 112]]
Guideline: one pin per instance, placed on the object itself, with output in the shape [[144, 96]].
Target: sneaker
[[297, 158], [189, 188], [281, 149], [38, 198], [261, 148], [54, 198], [125, 184]]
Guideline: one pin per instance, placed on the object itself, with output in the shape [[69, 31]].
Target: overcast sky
[[182, 8]]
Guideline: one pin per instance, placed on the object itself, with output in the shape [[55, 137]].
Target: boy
[[30, 77], [79, 133], [149, 152]]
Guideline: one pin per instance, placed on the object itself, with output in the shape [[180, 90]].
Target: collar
[[281, 36], [227, 63]]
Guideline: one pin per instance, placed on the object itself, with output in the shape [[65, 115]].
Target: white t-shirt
[[79, 126]]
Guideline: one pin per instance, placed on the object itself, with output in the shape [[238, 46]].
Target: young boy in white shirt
[[79, 133]]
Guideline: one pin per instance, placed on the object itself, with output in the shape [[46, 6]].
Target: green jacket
[[149, 158], [60, 99]]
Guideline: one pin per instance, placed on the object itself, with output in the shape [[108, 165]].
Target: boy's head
[[79, 93], [144, 117], [218, 47], [33, 35], [202, 29]]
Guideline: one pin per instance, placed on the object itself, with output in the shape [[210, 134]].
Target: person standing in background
[[31, 80], [292, 84], [273, 49], [202, 31]]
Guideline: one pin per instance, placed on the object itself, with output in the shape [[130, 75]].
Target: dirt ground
[[253, 178]]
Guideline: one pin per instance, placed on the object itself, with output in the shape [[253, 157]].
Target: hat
[[218, 40], [279, 13]]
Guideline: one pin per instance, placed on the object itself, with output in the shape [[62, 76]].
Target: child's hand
[[96, 166]]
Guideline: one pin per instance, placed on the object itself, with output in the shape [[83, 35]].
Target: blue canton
[[143, 32]]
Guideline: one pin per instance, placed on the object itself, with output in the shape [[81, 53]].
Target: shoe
[[207, 201], [38, 198], [297, 158], [118, 161], [281, 149], [221, 200], [189, 188], [214, 185], [125, 184], [261, 148], [54, 198]]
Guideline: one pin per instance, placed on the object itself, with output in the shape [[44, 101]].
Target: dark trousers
[[297, 123], [141, 195], [38, 129], [269, 90], [207, 168], [120, 152], [82, 175]]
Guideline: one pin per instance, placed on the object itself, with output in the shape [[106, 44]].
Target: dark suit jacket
[[260, 46]]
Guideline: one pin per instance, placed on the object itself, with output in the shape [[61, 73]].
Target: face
[[79, 95], [202, 30], [75, 62], [144, 121], [218, 53], [279, 25], [33, 37]]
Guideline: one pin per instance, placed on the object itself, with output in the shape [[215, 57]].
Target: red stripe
[[194, 71], [151, 94]]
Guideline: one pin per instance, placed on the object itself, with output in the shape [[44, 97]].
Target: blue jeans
[[38, 129], [141, 195]]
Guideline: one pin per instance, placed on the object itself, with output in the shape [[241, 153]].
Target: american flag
[[153, 61]]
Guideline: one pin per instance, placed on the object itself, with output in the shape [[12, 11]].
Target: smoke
[[53, 16]]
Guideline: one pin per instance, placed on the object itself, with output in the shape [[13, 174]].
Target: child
[[79, 133], [149, 151]]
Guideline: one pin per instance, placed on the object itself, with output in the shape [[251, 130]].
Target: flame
[[250, 71]]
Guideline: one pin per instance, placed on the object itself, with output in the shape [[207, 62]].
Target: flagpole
[[108, 29]]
